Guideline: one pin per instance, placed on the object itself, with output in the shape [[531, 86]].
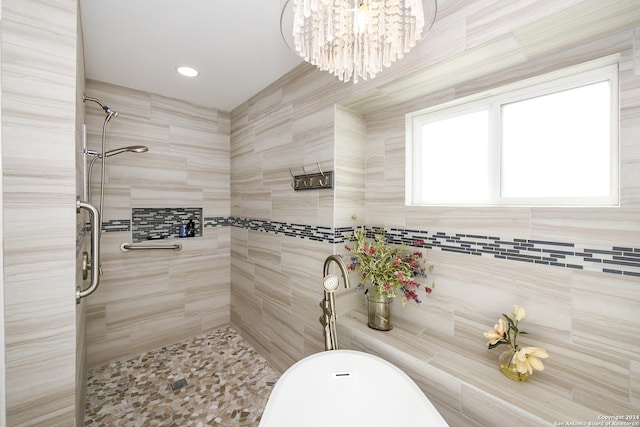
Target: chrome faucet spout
[[328, 304]]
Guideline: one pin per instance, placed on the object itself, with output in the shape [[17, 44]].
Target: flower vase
[[509, 367], [379, 311]]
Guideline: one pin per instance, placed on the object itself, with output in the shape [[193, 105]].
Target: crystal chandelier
[[356, 38]]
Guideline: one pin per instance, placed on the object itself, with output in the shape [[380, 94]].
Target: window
[[548, 141]]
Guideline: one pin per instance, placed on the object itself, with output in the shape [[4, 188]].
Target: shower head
[[330, 282], [131, 148]]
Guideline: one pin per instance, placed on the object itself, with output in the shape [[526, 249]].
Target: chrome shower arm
[[86, 98], [106, 109]]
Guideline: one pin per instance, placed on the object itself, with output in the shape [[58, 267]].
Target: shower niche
[[164, 223]]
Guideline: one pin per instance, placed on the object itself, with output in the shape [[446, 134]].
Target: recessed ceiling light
[[187, 71]]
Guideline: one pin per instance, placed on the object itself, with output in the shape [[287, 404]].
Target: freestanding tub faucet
[[330, 282]]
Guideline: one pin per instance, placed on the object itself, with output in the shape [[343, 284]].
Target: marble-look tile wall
[[274, 299], [585, 319], [83, 241], [573, 313], [147, 299], [39, 77], [350, 156]]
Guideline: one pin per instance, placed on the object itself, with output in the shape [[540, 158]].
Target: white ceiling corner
[[236, 46]]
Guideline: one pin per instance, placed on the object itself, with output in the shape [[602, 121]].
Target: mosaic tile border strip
[[615, 260], [303, 231], [217, 221], [619, 260]]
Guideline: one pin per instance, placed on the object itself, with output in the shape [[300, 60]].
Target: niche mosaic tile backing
[[162, 223], [114, 225], [613, 259]]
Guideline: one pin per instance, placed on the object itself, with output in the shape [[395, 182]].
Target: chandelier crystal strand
[[356, 38]]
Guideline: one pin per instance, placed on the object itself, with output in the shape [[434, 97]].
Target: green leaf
[[492, 346], [510, 321]]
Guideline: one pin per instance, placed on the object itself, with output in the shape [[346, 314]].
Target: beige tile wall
[[276, 279], [474, 45], [84, 241], [39, 74], [351, 151], [148, 299], [588, 321]]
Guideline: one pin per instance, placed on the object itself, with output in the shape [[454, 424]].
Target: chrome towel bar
[[126, 247]]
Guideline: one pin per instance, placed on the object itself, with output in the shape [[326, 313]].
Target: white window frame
[[568, 78]]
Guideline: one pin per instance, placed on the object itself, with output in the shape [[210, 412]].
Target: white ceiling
[[236, 45]]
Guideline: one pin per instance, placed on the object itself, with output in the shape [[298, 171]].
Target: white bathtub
[[345, 388]]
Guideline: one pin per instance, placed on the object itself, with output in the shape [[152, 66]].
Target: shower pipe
[[99, 156], [104, 154], [110, 113]]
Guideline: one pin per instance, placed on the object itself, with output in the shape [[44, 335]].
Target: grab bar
[[94, 263], [126, 247]]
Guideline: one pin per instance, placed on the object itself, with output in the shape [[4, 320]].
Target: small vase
[[508, 367], [379, 311]]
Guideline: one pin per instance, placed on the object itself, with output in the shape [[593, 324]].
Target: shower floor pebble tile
[[228, 384]]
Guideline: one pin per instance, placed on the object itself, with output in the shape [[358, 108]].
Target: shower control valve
[[86, 265]]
